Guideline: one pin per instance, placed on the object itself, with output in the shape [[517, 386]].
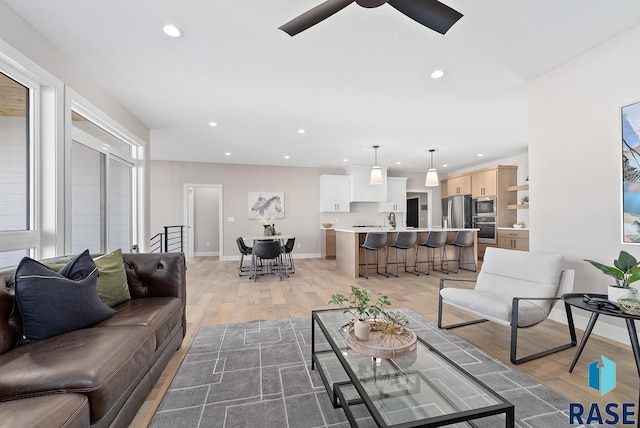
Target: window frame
[[76, 103]]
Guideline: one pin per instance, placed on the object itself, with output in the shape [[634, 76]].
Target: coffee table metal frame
[[339, 398]]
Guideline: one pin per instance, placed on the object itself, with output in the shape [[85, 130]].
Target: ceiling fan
[[430, 13]]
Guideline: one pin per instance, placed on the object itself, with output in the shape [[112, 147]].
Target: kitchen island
[[348, 241]]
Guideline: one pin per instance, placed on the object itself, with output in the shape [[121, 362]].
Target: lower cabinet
[[513, 239], [328, 244]]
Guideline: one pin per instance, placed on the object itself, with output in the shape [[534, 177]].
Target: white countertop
[[388, 229]]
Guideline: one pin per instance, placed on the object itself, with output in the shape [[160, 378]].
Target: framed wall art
[[266, 205], [631, 173]]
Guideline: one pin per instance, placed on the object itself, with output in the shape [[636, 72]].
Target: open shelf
[[517, 188], [518, 206]]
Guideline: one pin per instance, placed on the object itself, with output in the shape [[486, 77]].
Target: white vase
[[614, 293], [362, 329]]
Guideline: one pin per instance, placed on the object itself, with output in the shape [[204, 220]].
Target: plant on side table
[[625, 270]]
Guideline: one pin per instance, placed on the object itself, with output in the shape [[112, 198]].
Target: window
[[14, 155], [102, 188]]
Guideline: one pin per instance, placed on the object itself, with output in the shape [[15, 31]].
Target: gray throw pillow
[[53, 303]]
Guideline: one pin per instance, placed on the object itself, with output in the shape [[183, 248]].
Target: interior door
[[413, 212]]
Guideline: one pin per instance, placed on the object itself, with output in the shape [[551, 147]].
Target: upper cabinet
[[460, 185], [361, 190], [444, 190], [334, 193], [396, 195], [484, 183]]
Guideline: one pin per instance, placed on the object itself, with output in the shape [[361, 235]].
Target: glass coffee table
[[421, 389]]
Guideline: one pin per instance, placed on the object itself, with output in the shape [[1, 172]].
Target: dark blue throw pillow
[[53, 303]]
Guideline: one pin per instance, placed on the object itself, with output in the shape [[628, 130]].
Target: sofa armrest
[[156, 275]]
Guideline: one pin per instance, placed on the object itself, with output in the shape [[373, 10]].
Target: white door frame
[[188, 215], [429, 204]]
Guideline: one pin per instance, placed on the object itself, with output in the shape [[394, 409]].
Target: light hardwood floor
[[217, 295]]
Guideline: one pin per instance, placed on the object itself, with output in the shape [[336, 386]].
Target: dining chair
[[269, 255], [287, 249], [244, 251]]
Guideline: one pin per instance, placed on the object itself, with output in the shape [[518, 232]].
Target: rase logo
[[602, 378]]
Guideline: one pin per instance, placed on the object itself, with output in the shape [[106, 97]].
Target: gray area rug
[[258, 374]]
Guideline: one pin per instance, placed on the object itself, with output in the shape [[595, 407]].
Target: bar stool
[[244, 251], [374, 241], [436, 239], [404, 241], [463, 239]]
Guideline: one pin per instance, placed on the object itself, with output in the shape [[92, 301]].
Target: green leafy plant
[[625, 269], [359, 304]]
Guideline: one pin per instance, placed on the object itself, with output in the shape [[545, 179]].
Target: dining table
[[283, 238]]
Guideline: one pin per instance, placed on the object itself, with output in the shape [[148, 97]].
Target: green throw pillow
[[112, 280]]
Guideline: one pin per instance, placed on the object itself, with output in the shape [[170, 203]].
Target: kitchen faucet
[[392, 220]]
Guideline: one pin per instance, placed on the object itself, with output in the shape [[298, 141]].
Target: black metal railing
[[171, 240]]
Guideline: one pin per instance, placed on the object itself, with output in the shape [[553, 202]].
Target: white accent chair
[[513, 288]]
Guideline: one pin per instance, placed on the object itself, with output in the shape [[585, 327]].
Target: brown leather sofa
[[97, 376]]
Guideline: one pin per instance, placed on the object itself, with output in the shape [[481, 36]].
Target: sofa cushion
[[496, 307], [58, 410], [100, 363], [112, 284], [162, 314], [53, 303]]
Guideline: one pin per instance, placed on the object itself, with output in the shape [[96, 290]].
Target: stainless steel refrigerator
[[457, 211]]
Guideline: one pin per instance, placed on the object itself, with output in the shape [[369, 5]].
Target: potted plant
[[359, 304], [625, 270]]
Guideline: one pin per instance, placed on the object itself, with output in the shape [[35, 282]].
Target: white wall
[[575, 160]]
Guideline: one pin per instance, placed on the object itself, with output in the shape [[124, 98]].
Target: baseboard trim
[[207, 254], [602, 328]]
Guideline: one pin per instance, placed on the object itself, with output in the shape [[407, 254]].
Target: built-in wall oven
[[487, 229]]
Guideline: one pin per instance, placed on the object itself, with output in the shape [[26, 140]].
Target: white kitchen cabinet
[[396, 195], [334, 194], [361, 190]]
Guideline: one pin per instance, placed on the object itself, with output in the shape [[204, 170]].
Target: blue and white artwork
[[631, 173], [266, 205]]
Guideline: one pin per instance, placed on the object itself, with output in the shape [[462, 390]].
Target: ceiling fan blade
[[430, 13], [313, 16]]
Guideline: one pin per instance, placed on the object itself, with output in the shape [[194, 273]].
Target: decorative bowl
[[327, 225], [518, 226]]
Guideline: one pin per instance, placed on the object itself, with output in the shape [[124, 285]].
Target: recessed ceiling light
[[287, 157], [480, 155], [436, 74], [301, 131], [172, 31], [214, 124], [444, 165], [398, 163], [227, 154], [345, 160]]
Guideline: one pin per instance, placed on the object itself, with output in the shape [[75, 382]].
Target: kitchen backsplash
[[363, 214]]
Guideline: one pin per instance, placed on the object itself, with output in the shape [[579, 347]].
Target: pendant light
[[376, 170], [432, 174]]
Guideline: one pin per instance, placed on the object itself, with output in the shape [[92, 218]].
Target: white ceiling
[[357, 79]]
